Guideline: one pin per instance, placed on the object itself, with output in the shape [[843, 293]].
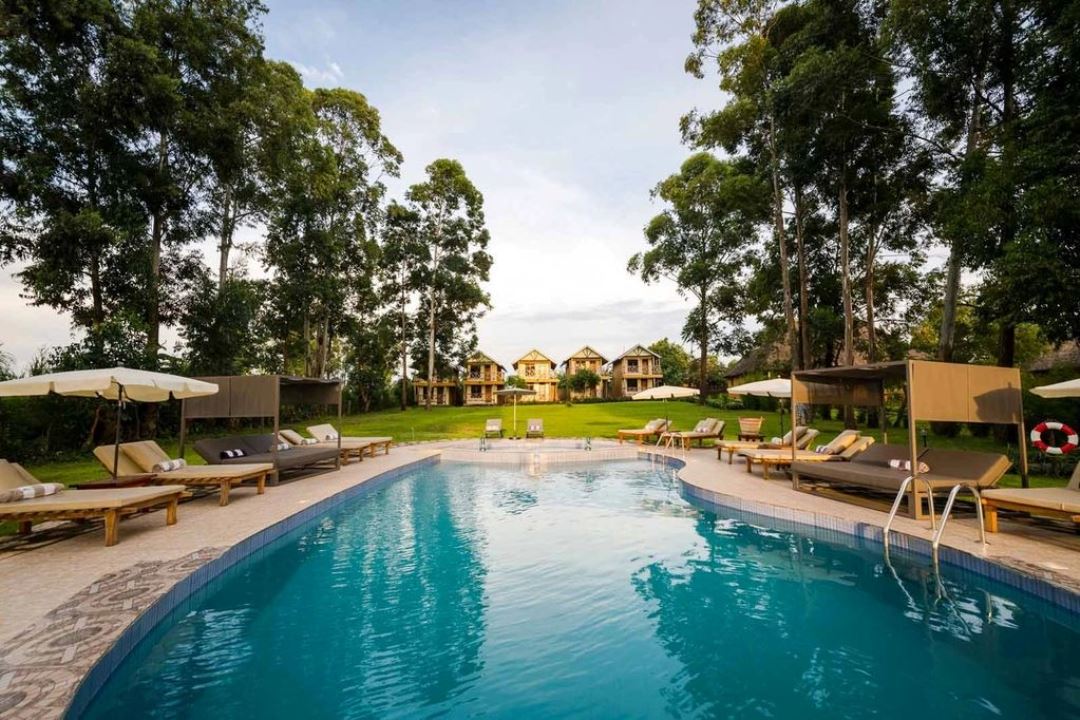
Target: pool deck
[[63, 605]]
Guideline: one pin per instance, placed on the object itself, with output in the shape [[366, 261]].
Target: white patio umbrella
[[666, 392], [1067, 388], [119, 383], [515, 392], [774, 387]]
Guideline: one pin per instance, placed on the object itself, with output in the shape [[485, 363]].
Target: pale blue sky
[[564, 114]]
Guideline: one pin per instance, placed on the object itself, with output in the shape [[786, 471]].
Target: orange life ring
[[1071, 438]]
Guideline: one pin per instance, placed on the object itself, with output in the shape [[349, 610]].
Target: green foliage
[[702, 242], [674, 360]]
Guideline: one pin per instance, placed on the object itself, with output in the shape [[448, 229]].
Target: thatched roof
[[1065, 355]]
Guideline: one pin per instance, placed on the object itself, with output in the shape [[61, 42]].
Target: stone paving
[[63, 605]]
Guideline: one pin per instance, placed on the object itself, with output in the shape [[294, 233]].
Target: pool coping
[[185, 576]]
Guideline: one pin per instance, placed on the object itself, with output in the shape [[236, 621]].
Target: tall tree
[[402, 269], [184, 62], [700, 241], [324, 220], [451, 226], [66, 148], [735, 34]]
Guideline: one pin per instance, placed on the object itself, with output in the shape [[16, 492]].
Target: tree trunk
[[307, 346], [95, 291], [703, 368], [431, 344], [845, 273], [871, 331], [404, 353], [947, 339], [804, 284], [226, 238], [1007, 71], [157, 234], [778, 221]]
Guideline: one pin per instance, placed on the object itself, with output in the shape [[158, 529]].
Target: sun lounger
[[493, 427], [707, 429], [140, 457], [843, 447], [534, 428], [110, 505], [1061, 503], [350, 447], [750, 428], [803, 437], [870, 470], [328, 435], [653, 428]]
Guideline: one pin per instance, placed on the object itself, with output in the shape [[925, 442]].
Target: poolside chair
[[137, 458], [844, 446], [328, 435], [800, 435], [707, 429], [110, 504], [653, 428], [870, 470], [750, 428], [534, 428], [1053, 502], [493, 427], [311, 445]]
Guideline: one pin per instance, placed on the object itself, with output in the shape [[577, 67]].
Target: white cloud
[[328, 74]]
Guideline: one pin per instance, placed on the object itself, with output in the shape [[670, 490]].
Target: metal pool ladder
[[896, 506], [948, 509]]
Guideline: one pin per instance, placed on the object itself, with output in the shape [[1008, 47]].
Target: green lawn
[[585, 419]]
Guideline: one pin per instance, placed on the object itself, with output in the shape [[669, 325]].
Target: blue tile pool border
[[869, 536], [135, 632]]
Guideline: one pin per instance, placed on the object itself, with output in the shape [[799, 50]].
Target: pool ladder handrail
[[896, 506], [948, 509], [483, 443]]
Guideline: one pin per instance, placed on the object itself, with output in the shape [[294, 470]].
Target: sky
[[564, 115]]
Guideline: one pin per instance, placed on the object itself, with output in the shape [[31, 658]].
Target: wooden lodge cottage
[[443, 391], [587, 359], [538, 372], [483, 376], [635, 370]]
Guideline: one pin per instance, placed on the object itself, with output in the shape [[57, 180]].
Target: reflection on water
[[591, 591]]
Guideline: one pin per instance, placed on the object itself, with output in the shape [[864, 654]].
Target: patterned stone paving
[[41, 667]]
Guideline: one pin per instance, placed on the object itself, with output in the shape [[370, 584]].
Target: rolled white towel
[[169, 465], [906, 465], [29, 492]]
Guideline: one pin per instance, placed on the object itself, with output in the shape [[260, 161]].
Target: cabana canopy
[[936, 392], [258, 396]]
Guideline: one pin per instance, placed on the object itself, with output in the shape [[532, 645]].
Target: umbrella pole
[[116, 447], [515, 417], [782, 421]]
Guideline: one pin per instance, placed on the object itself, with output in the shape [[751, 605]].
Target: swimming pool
[[589, 591]]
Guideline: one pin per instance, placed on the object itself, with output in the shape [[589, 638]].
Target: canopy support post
[[116, 446]]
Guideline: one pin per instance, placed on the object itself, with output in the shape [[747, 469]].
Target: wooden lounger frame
[[111, 515], [369, 449], [224, 483], [992, 505]]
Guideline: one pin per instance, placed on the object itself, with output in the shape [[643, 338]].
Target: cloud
[[330, 74]]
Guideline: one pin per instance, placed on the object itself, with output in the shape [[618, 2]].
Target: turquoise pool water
[[588, 592]]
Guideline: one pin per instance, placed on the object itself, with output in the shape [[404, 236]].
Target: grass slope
[[601, 420]]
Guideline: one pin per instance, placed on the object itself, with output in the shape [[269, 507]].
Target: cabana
[[259, 396], [935, 392]]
